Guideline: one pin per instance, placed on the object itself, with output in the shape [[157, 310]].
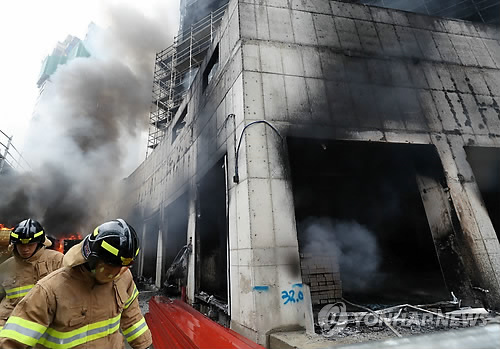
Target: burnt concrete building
[[350, 148]]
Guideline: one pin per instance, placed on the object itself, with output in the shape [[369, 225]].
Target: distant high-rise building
[[65, 51], [72, 47]]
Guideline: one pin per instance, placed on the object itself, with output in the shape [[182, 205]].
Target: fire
[[59, 244], [4, 242]]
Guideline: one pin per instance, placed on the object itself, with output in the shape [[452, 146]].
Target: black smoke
[[88, 126]]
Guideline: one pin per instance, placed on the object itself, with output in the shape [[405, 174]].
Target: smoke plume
[[88, 124], [354, 246]]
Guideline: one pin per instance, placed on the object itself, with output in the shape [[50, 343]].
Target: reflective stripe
[[18, 291], [96, 231], [132, 297], [64, 340], [21, 330], [25, 241], [110, 248], [136, 330], [126, 261], [14, 235], [38, 234]]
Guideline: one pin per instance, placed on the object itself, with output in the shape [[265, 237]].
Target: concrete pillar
[[159, 259], [479, 237], [141, 255], [191, 275], [439, 215], [266, 283]]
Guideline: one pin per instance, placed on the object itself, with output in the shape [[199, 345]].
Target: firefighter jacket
[[68, 309], [19, 275]]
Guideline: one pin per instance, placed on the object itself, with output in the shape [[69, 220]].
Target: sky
[[30, 29]]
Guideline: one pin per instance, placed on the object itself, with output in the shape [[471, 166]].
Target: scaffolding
[[175, 69], [10, 157]]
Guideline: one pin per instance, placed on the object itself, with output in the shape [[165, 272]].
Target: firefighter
[[85, 303], [30, 262]]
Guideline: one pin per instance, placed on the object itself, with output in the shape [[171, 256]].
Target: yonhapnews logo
[[333, 318]]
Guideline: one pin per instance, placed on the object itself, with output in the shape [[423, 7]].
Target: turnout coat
[[18, 276], [68, 309]]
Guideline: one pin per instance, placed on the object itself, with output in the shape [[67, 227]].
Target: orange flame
[[59, 244], [3, 227]]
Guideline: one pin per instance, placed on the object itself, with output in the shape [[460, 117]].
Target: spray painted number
[[289, 296]]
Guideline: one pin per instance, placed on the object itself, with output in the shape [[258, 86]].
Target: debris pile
[[334, 321]]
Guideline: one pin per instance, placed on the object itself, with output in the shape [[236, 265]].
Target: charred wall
[[482, 11], [337, 71], [372, 68], [485, 163]]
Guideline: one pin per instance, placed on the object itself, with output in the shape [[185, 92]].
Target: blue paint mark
[[289, 297], [261, 288], [297, 285]]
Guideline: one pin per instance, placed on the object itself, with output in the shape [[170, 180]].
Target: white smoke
[[353, 245]]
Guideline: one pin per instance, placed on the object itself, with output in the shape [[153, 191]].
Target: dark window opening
[[149, 249], [174, 239], [359, 204], [211, 229], [211, 68], [485, 163], [179, 125]]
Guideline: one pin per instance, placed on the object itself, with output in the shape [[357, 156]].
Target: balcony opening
[[150, 249], [362, 224], [176, 216], [211, 68], [212, 244], [179, 125]]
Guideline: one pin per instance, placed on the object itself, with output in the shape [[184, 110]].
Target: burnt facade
[[357, 133], [482, 11]]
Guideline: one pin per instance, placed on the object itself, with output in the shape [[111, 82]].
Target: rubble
[[146, 284], [211, 300], [401, 320], [479, 338]]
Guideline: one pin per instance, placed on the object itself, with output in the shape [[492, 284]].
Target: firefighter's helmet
[[114, 242], [27, 232]]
